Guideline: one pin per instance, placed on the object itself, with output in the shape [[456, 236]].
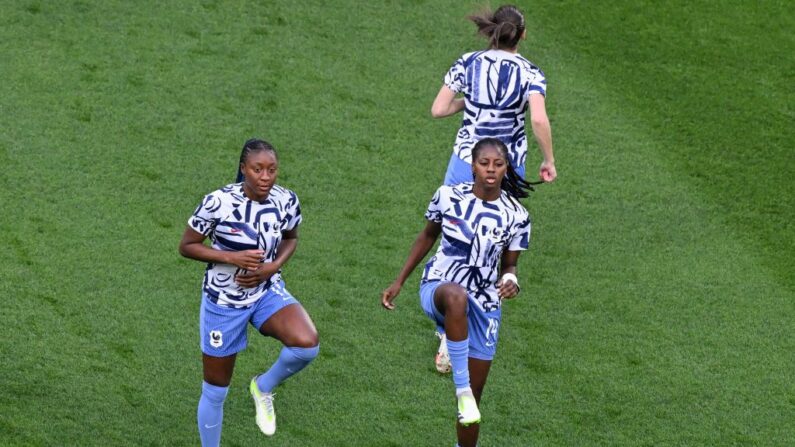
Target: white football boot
[[263, 402]]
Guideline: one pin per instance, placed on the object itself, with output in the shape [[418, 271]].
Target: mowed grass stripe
[[664, 277]]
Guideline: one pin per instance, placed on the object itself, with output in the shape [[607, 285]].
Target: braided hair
[[252, 145], [512, 183], [504, 27], [255, 145]]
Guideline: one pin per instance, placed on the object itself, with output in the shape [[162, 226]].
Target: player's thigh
[[278, 314], [292, 326]]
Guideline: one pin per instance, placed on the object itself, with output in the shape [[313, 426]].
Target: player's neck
[[486, 192], [253, 196], [513, 50]]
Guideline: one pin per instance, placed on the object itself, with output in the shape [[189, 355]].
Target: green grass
[[658, 293]]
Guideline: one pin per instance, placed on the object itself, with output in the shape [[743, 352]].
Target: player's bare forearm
[[286, 247], [456, 106], [265, 270], [446, 103], [543, 134], [422, 245], [192, 246], [542, 130], [508, 262], [508, 286]]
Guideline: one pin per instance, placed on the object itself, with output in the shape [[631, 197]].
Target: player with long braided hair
[[483, 228]]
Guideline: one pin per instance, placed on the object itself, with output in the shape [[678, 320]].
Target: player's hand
[[389, 294], [547, 171], [507, 289], [253, 278], [247, 259]]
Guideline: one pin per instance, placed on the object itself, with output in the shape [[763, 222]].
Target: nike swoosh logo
[[212, 426], [461, 371]]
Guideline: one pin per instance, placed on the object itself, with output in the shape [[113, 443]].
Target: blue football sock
[[210, 414], [459, 360], [290, 361]]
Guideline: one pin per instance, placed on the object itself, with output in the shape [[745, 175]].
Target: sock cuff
[[214, 393], [305, 354], [457, 345]]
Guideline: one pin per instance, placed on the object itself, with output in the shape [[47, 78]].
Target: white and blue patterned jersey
[[233, 222], [496, 85], [474, 235]]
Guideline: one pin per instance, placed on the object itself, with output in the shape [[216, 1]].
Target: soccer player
[[483, 229], [253, 229], [497, 87]]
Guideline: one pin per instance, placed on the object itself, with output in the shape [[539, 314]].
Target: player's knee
[[214, 394], [455, 299], [306, 340]]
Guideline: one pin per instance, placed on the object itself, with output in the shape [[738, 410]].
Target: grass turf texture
[[657, 300]]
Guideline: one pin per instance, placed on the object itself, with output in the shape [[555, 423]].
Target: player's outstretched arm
[[422, 245]]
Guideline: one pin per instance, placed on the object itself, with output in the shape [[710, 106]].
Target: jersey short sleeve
[[206, 216], [455, 79], [293, 210], [521, 238], [437, 206], [538, 83]]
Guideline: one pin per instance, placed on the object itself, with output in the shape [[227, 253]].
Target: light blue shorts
[[222, 330], [484, 327], [459, 171]]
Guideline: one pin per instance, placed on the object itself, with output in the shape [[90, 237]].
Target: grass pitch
[[658, 294]]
